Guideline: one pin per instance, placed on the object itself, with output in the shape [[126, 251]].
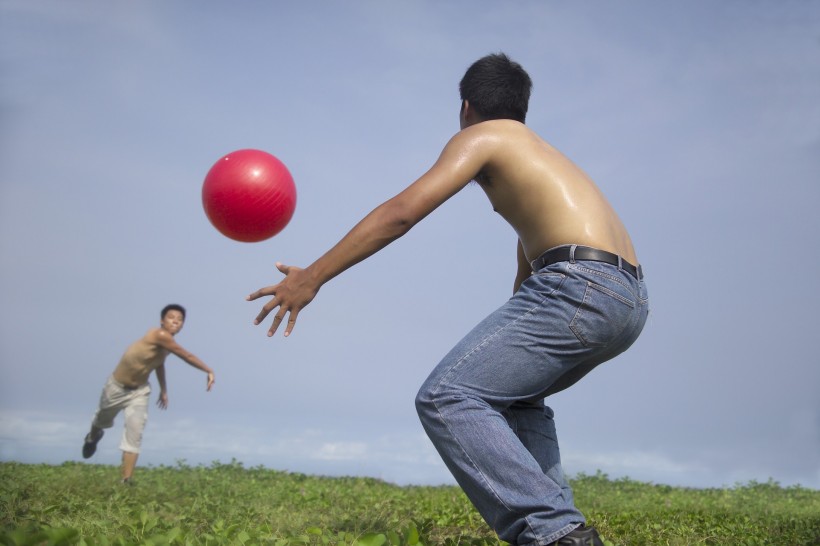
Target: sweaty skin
[[546, 199]]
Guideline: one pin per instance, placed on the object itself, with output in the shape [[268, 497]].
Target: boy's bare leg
[[129, 462]]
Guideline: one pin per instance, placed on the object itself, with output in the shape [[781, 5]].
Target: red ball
[[249, 195]]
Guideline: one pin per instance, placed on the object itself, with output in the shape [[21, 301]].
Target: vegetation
[[77, 503]]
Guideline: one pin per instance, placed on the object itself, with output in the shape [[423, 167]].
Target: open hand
[[162, 401], [294, 292]]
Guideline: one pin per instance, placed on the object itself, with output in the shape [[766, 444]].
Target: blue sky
[[699, 120]]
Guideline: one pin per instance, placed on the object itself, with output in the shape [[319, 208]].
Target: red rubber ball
[[249, 195]]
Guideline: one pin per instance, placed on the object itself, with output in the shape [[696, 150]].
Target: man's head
[[496, 88], [172, 317]]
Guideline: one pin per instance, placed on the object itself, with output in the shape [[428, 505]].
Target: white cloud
[[335, 451], [407, 458]]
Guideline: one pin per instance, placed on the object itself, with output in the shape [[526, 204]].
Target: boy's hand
[[295, 291], [211, 380], [162, 401]]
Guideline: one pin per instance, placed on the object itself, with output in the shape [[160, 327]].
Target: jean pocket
[[602, 316]]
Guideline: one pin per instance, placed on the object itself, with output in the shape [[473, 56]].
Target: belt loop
[[572, 253], [620, 263]]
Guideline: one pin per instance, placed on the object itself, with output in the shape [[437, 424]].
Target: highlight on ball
[[249, 195]]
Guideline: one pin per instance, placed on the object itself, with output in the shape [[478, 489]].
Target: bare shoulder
[[497, 138], [152, 334], [481, 144], [157, 336]]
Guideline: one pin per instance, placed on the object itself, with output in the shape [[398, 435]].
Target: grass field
[[77, 503]]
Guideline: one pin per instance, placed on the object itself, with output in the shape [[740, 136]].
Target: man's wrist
[[316, 275]]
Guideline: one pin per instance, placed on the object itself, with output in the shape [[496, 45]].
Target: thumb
[[282, 267]]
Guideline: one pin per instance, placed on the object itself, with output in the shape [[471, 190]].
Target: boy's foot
[[90, 445], [126, 481], [580, 536]]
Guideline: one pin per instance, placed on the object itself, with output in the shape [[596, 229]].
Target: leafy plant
[[226, 503]]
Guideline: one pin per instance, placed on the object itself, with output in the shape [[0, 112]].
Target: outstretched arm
[[460, 162], [167, 341]]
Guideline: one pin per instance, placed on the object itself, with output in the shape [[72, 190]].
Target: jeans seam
[[554, 537], [609, 276], [611, 293], [574, 326], [488, 486], [483, 343], [482, 480]]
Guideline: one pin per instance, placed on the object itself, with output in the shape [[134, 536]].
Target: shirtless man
[[578, 300], [127, 389]]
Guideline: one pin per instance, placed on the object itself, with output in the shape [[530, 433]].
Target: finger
[[277, 320], [291, 322], [266, 309], [267, 291]]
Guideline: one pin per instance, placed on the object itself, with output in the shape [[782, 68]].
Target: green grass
[[78, 503]]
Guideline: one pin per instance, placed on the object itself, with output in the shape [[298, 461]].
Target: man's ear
[[467, 114]]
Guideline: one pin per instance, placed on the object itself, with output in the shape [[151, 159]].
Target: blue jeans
[[483, 405]]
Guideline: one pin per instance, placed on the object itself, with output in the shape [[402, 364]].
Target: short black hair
[[172, 307], [497, 88]]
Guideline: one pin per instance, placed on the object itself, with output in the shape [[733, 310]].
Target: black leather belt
[[565, 254]]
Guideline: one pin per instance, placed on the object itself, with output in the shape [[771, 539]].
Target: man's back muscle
[[546, 198]]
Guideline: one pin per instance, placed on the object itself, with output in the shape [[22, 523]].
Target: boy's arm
[[167, 341], [524, 268], [162, 401], [460, 161]]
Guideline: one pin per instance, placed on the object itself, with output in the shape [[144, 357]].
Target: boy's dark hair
[[497, 87], [172, 307]]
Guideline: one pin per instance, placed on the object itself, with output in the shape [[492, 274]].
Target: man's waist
[[127, 386], [571, 253]]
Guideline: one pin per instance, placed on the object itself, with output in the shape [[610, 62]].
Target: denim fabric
[[483, 405]]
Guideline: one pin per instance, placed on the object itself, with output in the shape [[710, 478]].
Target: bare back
[[140, 359], [545, 197]]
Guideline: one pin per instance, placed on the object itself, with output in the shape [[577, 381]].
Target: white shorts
[[117, 397]]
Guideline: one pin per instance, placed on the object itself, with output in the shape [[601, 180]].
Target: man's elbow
[[398, 219], [402, 225]]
